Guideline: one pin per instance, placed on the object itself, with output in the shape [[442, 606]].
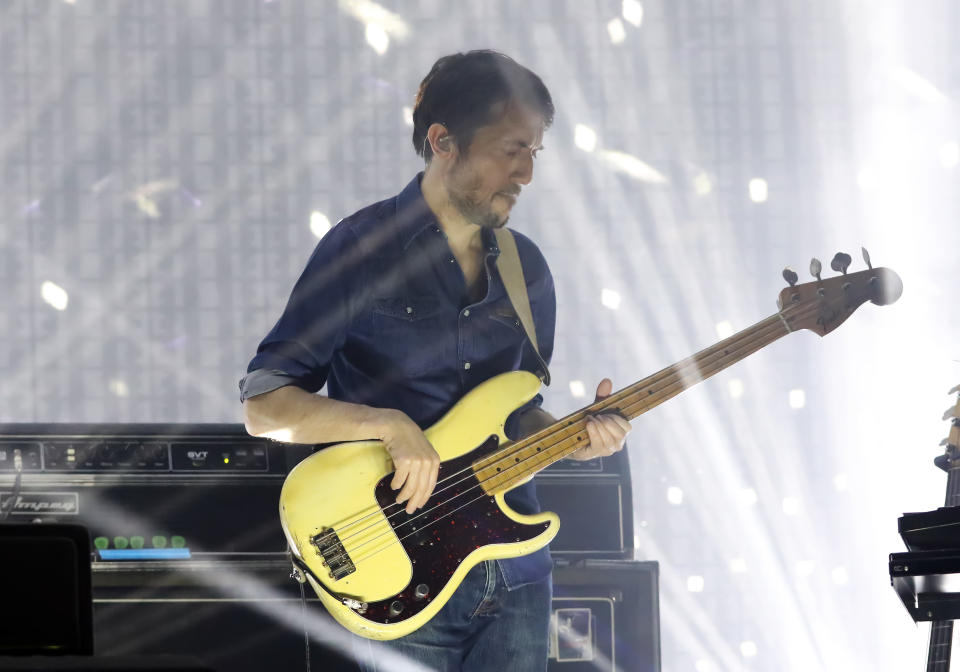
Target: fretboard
[[518, 461]]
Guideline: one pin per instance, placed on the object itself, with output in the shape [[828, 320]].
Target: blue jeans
[[482, 627]]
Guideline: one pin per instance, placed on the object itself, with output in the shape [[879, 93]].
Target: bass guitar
[[383, 573]]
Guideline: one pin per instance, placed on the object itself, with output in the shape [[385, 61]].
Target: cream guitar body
[[380, 572]]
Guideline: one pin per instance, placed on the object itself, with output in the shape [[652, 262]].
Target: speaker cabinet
[[605, 617]]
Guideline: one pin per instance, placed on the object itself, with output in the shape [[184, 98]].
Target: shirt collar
[[414, 217], [413, 214]]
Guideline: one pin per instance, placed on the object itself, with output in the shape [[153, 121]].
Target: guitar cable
[[12, 502], [306, 633]]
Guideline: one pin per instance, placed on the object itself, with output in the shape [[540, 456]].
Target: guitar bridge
[[335, 557]]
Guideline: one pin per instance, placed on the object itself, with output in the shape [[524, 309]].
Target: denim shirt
[[381, 315]]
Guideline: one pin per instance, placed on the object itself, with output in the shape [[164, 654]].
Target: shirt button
[[466, 313], [452, 260], [466, 365], [409, 310]]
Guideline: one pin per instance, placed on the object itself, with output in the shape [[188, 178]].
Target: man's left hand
[[607, 431]]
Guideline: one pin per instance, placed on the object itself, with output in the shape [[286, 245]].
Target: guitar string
[[507, 451], [750, 344], [548, 457], [445, 515], [759, 335]]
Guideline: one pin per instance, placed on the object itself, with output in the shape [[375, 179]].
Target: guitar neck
[[561, 439]]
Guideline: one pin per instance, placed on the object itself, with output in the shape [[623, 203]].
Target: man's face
[[485, 181]]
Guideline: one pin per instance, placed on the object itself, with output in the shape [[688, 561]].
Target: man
[[401, 311]]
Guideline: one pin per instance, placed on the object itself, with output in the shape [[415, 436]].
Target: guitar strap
[[511, 272]]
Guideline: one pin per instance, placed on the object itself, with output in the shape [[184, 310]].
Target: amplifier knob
[[421, 591], [396, 607]]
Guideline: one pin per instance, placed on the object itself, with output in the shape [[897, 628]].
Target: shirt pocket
[[506, 316], [411, 333]]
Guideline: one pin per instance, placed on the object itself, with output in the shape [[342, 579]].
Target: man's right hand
[[415, 460]]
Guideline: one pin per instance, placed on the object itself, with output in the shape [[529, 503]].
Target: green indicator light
[[226, 460], [136, 542], [177, 541], [101, 543], [120, 542], [159, 542]]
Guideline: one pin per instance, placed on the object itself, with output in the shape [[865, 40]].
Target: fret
[[517, 462]]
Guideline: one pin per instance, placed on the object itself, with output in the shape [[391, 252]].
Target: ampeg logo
[[32, 503], [197, 455]]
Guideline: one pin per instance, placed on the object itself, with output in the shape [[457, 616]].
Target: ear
[[440, 141]]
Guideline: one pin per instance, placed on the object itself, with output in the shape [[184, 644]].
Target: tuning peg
[[866, 257], [815, 268], [956, 389], [950, 413], [790, 276], [945, 442], [841, 262]]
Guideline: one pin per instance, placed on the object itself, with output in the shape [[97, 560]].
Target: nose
[[523, 169]]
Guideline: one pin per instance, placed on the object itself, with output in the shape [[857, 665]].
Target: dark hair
[[461, 90]]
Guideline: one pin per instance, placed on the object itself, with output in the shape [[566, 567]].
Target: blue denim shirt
[[381, 315]]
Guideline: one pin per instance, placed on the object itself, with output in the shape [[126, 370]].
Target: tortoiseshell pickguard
[[457, 519]]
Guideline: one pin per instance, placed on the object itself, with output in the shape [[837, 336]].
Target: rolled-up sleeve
[[300, 346]]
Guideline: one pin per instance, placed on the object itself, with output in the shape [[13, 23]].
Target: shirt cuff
[[261, 381]]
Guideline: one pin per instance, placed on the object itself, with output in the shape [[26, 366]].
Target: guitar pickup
[[335, 557]]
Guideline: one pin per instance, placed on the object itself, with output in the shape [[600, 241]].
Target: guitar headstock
[[823, 305]]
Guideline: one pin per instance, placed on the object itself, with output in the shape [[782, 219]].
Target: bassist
[[401, 311]]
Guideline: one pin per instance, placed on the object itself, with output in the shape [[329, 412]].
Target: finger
[[400, 475], [595, 436], [608, 442], [617, 426], [604, 389], [410, 487], [419, 496], [622, 422], [432, 481]]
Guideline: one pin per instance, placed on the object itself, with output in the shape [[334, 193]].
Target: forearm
[[293, 415]]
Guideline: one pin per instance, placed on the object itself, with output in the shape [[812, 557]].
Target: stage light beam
[[55, 295], [797, 399], [616, 31], [758, 190], [319, 224], [632, 11], [735, 387], [610, 299], [585, 138], [377, 38]]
